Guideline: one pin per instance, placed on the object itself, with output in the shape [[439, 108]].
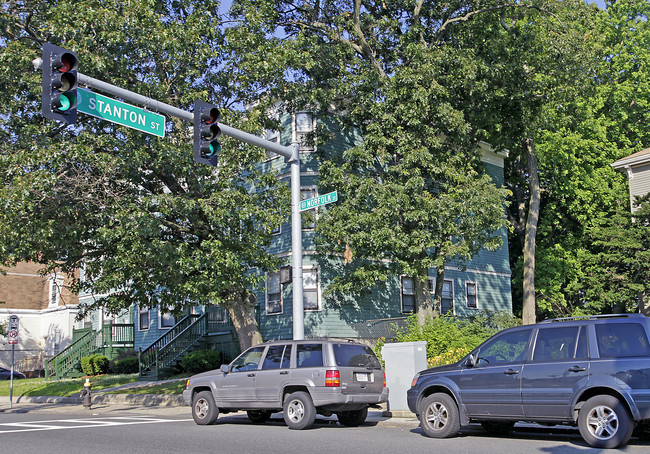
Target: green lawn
[[63, 387]]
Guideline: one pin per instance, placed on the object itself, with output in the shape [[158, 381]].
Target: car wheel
[[352, 418], [439, 416], [258, 416], [204, 410], [498, 427], [299, 411], [604, 422]]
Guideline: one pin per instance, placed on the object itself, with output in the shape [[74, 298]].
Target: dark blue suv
[[590, 371]]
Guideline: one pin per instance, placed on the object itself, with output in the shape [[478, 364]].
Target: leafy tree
[[414, 195], [145, 223], [619, 278], [537, 61], [577, 145]]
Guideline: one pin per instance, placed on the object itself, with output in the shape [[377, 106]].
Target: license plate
[[362, 376]]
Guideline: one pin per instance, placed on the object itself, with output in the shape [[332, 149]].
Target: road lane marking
[[55, 424]]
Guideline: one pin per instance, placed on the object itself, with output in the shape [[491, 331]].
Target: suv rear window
[[617, 340], [355, 356]]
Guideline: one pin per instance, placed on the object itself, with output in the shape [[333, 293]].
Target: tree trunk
[[528, 311], [644, 303], [437, 296], [240, 304], [423, 299]]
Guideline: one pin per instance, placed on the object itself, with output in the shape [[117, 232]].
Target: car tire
[[498, 427], [204, 410], [299, 410], [604, 422], [259, 416], [439, 416], [352, 418]]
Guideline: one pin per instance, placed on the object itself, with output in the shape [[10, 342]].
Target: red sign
[[13, 336]]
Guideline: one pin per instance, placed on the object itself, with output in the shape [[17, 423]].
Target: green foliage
[[149, 225], [201, 361], [62, 387], [125, 366], [619, 277], [125, 363], [450, 356], [87, 365], [447, 336], [413, 194], [94, 364]]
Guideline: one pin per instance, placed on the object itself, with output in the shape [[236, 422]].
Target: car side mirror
[[471, 360], [225, 368]]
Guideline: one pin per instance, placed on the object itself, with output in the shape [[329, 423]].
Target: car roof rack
[[592, 317]]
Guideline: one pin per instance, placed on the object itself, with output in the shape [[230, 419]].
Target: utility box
[[402, 361]]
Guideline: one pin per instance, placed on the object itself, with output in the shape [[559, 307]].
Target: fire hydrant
[[86, 395]]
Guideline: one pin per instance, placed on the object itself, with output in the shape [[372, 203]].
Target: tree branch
[[470, 15]]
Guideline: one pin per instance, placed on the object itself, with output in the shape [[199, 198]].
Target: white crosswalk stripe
[[62, 424]]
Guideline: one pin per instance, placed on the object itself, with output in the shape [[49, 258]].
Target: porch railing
[[173, 344], [87, 343], [66, 361]]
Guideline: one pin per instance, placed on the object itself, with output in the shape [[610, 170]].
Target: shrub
[[129, 365], [100, 364], [94, 364], [201, 360], [125, 362], [87, 365], [450, 338], [449, 357]]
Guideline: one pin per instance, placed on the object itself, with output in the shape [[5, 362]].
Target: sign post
[[13, 340]]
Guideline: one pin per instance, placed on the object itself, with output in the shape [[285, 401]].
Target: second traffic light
[[206, 133], [59, 83]]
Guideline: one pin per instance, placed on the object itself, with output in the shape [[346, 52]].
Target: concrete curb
[[146, 400]]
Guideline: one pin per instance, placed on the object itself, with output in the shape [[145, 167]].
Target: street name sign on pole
[[13, 339], [109, 109], [318, 201]]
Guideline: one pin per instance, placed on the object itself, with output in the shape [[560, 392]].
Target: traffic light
[[59, 83], [206, 133]]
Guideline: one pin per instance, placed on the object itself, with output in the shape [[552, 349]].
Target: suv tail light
[[384, 379], [332, 378]]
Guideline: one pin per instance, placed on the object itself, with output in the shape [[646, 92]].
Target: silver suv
[[300, 378]]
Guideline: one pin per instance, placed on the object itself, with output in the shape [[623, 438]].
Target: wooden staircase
[[105, 341], [191, 333]]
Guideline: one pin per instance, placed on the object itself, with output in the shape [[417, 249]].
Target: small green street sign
[[119, 112], [318, 201]]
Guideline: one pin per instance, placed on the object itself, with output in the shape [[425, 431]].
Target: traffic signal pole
[[291, 154]]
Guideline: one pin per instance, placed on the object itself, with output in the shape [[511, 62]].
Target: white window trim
[[475, 296], [313, 211], [55, 284], [266, 296], [453, 297], [401, 295], [432, 290], [140, 311], [318, 293], [160, 317], [295, 123]]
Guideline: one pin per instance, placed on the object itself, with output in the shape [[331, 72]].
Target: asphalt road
[[175, 432]]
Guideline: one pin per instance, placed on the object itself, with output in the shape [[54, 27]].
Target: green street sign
[[119, 112], [318, 201]]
